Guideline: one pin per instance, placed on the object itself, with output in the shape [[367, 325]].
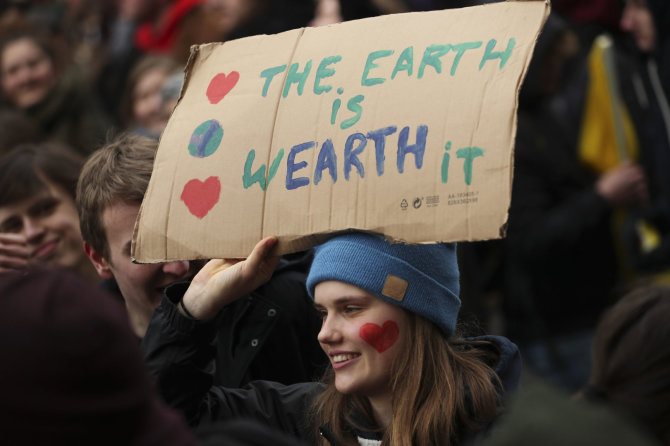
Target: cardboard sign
[[400, 124]]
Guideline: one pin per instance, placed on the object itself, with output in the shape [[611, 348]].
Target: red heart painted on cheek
[[381, 338], [220, 86], [200, 197]]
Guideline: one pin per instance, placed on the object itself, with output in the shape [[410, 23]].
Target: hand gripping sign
[[401, 124]]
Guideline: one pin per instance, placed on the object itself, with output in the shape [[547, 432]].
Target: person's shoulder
[[543, 415], [509, 363]]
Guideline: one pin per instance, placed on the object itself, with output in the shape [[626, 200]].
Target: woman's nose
[[33, 230], [330, 332]]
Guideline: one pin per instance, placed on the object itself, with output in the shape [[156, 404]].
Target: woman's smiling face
[[362, 335], [49, 223], [27, 72]]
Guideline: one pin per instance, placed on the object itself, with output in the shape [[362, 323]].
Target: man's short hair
[[119, 172]]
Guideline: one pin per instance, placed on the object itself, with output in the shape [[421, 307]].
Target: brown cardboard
[[453, 75]]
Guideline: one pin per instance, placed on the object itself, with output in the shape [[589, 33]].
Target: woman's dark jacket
[[180, 355]]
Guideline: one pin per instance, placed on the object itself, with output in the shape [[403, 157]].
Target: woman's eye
[[351, 309], [12, 225], [45, 208]]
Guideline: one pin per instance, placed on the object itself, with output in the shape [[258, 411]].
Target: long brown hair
[[442, 388]]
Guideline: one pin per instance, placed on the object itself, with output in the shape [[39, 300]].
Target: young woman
[[33, 82], [398, 375], [141, 107], [38, 217]]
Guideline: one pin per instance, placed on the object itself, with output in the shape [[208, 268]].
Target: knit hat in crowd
[[72, 372], [422, 278]]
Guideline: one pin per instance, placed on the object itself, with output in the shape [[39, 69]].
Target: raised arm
[[221, 282], [180, 354]]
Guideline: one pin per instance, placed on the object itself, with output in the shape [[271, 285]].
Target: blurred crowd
[[587, 249]]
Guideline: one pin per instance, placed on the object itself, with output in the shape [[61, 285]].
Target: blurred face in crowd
[[232, 14], [362, 335], [637, 20], [141, 285], [28, 73], [49, 226], [147, 102]]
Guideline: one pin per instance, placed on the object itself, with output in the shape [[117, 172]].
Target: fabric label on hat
[[395, 287]]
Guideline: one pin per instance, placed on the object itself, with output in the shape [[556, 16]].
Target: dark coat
[[270, 334], [561, 260], [561, 265], [180, 354], [72, 115]]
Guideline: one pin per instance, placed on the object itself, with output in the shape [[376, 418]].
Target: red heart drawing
[[200, 197], [381, 338], [220, 86]]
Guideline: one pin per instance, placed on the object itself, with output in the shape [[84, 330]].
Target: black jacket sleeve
[[180, 356]]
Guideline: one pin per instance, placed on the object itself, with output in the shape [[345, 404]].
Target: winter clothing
[[179, 354], [71, 115], [270, 333], [244, 432], [561, 263], [541, 415], [561, 259], [645, 86], [422, 279], [71, 370]]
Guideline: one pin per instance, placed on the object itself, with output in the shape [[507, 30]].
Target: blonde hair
[[441, 389]]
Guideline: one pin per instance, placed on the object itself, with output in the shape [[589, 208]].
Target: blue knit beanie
[[422, 279]]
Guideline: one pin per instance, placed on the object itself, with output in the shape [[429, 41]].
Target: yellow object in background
[[607, 136]]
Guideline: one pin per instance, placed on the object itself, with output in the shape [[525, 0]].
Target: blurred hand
[[624, 186], [14, 252], [221, 282]]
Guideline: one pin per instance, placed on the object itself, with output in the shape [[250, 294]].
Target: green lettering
[[461, 48], [268, 74], [370, 64], [354, 105], [405, 62], [324, 71], [296, 77], [469, 154], [489, 54], [248, 179], [445, 162], [431, 56]]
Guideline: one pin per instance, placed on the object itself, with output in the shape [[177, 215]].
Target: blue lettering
[[417, 149], [326, 160], [351, 154], [379, 137], [291, 166]]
